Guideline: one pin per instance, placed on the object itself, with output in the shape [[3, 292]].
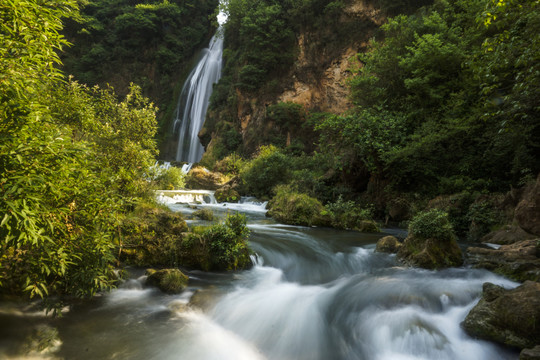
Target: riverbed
[[313, 293]]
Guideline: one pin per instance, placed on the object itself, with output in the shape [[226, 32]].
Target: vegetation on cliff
[[148, 42], [445, 103]]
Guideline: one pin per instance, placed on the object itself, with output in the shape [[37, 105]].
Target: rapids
[[313, 293]]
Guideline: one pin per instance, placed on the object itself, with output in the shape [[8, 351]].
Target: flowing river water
[[314, 293]]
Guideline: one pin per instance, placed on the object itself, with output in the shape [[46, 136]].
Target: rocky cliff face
[[318, 78]]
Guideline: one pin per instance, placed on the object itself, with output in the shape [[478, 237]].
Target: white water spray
[[193, 102]]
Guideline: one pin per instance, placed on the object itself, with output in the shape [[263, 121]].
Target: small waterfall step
[[186, 196]]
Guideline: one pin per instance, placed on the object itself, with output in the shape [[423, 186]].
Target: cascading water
[[313, 294], [193, 102]]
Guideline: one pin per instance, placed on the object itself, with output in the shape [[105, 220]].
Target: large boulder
[[530, 354], [527, 213], [508, 234], [510, 317], [388, 244], [430, 253], [170, 281], [369, 226], [519, 261]]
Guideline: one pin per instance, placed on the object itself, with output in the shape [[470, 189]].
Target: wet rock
[[510, 317], [201, 178], [227, 194], [399, 209], [430, 253], [530, 354], [527, 213], [388, 244], [367, 226], [204, 214], [509, 234], [170, 281], [204, 299], [517, 261]]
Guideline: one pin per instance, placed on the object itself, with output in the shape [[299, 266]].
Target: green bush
[[432, 224], [228, 243], [170, 179], [347, 214], [269, 168], [482, 218], [295, 208]]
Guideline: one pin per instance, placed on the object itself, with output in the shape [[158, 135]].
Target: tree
[[71, 161]]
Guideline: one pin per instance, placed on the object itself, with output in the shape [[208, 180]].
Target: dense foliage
[[72, 161], [116, 41], [149, 42], [445, 102], [444, 99], [431, 224]]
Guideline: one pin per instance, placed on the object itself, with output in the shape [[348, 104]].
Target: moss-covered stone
[[367, 226], [388, 244], [204, 214], [170, 281], [431, 243], [508, 234], [227, 194], [510, 317], [201, 178], [431, 253], [156, 237], [530, 354], [519, 261]]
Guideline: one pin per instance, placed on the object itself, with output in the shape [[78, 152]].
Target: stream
[[314, 293]]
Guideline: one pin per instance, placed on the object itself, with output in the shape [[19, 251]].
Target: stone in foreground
[[170, 281], [510, 317]]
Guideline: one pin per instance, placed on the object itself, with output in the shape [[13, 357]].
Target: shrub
[[204, 214], [482, 217], [432, 224], [270, 168], [227, 194], [347, 214], [228, 243], [171, 179], [295, 208]]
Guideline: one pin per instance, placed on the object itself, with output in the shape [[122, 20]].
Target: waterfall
[[193, 102]]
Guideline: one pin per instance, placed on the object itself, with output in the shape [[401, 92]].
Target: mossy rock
[[431, 253], [170, 281], [519, 261], [201, 178], [388, 244], [204, 214], [368, 226], [530, 354], [227, 194], [510, 317]]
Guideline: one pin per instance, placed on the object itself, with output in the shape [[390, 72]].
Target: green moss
[[227, 194], [294, 208], [171, 281], [204, 214]]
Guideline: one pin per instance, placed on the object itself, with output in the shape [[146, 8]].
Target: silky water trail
[[313, 293], [194, 99]]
